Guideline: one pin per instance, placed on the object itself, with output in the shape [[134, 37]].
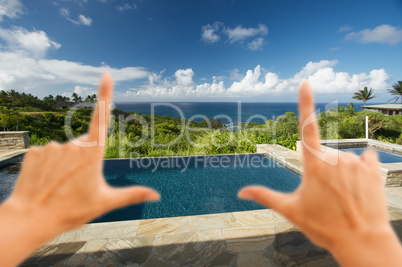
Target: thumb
[[266, 197], [120, 197]]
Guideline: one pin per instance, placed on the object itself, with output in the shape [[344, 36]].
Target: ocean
[[230, 113]]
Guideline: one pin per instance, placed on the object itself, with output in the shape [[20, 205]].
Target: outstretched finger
[[370, 158], [310, 138], [120, 197], [100, 118], [266, 197]]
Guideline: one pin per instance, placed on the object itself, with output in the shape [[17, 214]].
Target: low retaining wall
[[14, 140]]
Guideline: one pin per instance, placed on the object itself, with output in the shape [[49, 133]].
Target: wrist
[[27, 221], [378, 247]]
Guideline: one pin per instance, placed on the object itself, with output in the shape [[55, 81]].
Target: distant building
[[85, 105], [386, 109], [66, 105]]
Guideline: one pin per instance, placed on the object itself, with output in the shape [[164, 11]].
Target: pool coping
[[171, 225], [258, 237], [9, 157], [209, 155]]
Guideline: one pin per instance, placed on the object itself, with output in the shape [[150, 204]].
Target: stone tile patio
[[249, 238]]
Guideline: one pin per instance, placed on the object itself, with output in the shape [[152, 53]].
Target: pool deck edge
[[9, 157], [258, 237]]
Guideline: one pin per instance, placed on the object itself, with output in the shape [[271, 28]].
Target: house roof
[[85, 105], [385, 106]]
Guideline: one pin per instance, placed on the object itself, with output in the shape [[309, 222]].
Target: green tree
[[351, 109], [397, 91], [364, 95], [48, 98], [9, 118], [377, 122], [90, 98], [60, 98], [76, 97]]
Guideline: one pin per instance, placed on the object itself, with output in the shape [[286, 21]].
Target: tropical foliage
[[364, 95], [133, 134], [397, 91]]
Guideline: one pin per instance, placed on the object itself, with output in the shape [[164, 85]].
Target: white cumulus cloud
[[65, 12], [240, 33], [24, 66], [208, 33], [10, 8], [84, 91], [69, 71], [380, 34], [35, 43], [22, 72], [256, 44], [82, 20], [184, 77], [258, 83], [87, 21], [235, 74]]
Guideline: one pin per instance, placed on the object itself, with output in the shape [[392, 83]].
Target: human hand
[[61, 186], [341, 207]]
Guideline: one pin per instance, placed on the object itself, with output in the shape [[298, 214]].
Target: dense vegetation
[[132, 134]]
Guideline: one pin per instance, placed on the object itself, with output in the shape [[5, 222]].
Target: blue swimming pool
[[195, 185], [383, 157]]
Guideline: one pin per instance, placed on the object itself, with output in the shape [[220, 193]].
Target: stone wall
[[393, 178], [14, 140]]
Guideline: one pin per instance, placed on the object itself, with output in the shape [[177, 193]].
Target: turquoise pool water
[[383, 157], [195, 185]]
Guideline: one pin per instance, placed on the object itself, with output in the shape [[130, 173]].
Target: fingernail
[[245, 195], [152, 197]]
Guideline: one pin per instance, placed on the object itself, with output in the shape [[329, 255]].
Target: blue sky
[[201, 50]]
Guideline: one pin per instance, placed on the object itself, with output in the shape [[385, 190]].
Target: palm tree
[[397, 90], [76, 97], [364, 95]]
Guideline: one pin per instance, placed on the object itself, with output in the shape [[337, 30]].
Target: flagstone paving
[[249, 238]]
